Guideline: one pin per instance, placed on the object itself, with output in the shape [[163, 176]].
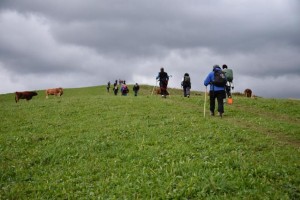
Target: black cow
[[25, 95]]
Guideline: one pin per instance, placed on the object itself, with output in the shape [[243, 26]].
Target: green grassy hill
[[90, 144]]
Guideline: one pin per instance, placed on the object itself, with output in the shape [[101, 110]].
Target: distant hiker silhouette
[[108, 86], [186, 85], [116, 88], [136, 89], [163, 79]]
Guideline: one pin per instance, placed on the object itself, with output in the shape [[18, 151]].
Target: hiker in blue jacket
[[216, 91]]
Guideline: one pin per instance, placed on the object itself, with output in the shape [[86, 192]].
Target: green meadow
[[90, 144]]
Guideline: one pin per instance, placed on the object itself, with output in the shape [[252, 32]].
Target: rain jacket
[[209, 79]]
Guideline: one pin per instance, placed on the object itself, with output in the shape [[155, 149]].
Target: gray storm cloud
[[83, 43]]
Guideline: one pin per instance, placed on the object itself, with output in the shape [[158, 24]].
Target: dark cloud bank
[[83, 43]]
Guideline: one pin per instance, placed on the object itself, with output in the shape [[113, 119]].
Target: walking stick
[[205, 101], [154, 87]]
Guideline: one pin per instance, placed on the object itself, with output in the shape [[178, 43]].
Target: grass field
[[90, 144]]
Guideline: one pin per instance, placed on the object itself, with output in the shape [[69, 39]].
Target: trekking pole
[[205, 101], [154, 87]]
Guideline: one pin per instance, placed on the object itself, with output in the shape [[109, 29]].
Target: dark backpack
[[163, 76], [220, 78]]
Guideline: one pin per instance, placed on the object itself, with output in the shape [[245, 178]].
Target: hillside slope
[[90, 143]]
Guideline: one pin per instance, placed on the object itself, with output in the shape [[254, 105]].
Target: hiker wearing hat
[[186, 85], [163, 79], [217, 81]]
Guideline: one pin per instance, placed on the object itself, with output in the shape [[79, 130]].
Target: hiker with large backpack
[[186, 85], [229, 76], [163, 79], [124, 89], [217, 81]]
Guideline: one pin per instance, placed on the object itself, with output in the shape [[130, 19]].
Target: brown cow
[[25, 95], [248, 93], [54, 91]]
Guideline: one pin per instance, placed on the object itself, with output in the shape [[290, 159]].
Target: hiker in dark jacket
[[116, 87], [163, 79], [186, 85], [215, 92], [108, 86], [136, 88]]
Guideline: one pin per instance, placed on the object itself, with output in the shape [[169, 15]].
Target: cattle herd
[[59, 91], [29, 94]]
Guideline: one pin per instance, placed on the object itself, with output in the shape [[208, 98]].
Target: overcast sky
[[80, 43]]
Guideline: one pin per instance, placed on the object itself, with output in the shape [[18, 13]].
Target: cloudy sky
[[80, 43]]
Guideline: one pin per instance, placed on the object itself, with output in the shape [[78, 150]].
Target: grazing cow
[[25, 95], [54, 91], [248, 93]]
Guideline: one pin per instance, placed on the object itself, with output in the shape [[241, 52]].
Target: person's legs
[[184, 91], [188, 91], [212, 102], [220, 96], [228, 91], [163, 89]]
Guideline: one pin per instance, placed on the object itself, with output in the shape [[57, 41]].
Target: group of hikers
[[220, 81], [124, 88]]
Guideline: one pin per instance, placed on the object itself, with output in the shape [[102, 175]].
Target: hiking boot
[[220, 114]]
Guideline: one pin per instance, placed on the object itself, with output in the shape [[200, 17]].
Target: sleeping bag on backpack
[[186, 80], [228, 74]]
